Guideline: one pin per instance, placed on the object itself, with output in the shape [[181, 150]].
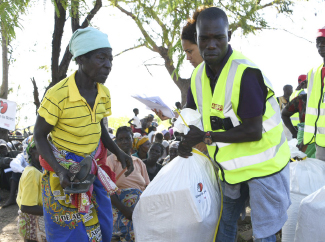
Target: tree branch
[[59, 22], [132, 48], [92, 13], [36, 95], [75, 15], [140, 26]]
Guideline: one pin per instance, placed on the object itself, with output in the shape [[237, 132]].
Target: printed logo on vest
[[217, 107]]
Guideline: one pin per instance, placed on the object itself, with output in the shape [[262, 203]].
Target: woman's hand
[[64, 177]]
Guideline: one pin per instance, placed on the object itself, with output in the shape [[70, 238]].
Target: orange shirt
[[137, 179]]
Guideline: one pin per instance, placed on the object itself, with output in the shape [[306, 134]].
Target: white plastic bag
[[191, 117], [295, 152], [181, 204], [306, 177], [311, 218]]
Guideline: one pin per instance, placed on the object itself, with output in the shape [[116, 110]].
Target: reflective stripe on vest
[[240, 161], [295, 118], [315, 111]]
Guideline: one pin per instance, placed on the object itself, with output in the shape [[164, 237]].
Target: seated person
[[6, 157], [131, 187], [155, 152], [141, 145], [17, 165], [29, 199], [159, 138]]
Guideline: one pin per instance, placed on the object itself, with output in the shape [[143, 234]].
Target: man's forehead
[[212, 26]]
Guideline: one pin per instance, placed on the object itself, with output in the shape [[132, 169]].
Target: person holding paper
[[242, 129]]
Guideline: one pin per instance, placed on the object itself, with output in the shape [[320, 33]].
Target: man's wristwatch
[[207, 139]]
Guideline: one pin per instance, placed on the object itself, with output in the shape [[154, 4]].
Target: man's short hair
[[212, 14], [159, 136], [124, 129], [135, 109], [287, 86]]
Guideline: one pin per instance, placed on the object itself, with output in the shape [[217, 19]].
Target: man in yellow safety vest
[[242, 129], [315, 111], [302, 84]]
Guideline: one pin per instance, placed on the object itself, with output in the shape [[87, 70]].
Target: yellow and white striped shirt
[[77, 127]]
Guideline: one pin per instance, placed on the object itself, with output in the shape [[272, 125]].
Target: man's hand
[[160, 114], [64, 177], [302, 147], [127, 212], [184, 150], [194, 136], [126, 161]]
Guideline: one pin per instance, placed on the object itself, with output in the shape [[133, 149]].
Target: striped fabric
[[77, 127]]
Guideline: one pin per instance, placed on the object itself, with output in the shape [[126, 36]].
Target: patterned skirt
[[122, 227], [31, 227]]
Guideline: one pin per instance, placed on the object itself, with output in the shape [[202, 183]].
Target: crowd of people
[[76, 181]]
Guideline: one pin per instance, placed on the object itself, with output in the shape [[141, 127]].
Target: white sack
[[306, 177], [289, 228], [311, 218], [295, 152], [191, 117], [181, 204]]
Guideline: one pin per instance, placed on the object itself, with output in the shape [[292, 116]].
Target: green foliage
[[10, 12], [161, 21], [118, 122]]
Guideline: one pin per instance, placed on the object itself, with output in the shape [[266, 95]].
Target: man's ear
[[229, 35], [195, 37]]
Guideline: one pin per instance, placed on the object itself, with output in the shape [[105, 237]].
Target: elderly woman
[[142, 146], [72, 113], [130, 187], [29, 198]]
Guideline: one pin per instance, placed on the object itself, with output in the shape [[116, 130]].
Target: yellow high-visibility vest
[[240, 161], [295, 118], [315, 111]]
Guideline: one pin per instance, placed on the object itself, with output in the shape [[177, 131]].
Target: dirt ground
[[8, 220]]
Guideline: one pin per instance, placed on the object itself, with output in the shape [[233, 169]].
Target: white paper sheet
[[155, 103]]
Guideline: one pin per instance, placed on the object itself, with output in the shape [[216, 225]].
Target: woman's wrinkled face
[[192, 52]]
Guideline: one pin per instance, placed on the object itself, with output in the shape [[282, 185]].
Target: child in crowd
[[29, 198], [136, 125]]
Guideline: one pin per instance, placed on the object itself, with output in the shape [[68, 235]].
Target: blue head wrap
[[86, 40]]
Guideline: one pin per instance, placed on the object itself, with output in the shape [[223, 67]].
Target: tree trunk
[[5, 71], [5, 66], [59, 22]]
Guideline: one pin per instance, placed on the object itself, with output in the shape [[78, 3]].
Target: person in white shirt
[[136, 122]]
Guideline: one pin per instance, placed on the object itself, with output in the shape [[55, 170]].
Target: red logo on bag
[[199, 187], [4, 107]]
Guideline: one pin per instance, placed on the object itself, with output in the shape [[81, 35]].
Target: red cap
[[321, 32], [302, 78]]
